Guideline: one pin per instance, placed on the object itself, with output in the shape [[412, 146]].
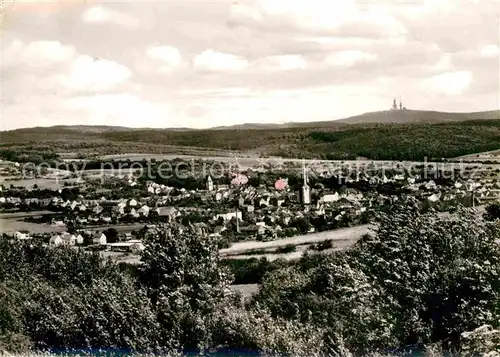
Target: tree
[[186, 283], [492, 212], [441, 274], [111, 235]]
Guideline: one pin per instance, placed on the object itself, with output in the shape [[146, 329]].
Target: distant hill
[[382, 117], [99, 129], [401, 135], [417, 116]]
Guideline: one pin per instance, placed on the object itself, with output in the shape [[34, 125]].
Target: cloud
[[94, 74], [490, 51], [284, 62], [349, 58], [36, 54], [169, 56], [449, 83], [100, 14], [210, 60], [342, 17], [259, 60]]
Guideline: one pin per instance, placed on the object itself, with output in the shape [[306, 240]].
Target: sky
[[199, 64]]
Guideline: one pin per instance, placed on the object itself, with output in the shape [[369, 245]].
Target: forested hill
[[449, 137]]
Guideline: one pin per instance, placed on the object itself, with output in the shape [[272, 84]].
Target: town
[[113, 211]]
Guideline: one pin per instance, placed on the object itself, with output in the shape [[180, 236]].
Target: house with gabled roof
[[99, 239], [55, 240]]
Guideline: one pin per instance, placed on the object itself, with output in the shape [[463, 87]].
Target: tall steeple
[[304, 172], [210, 183], [305, 191], [394, 105]]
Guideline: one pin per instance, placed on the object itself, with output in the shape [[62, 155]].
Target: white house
[[56, 240], [134, 213], [132, 203], [144, 210], [430, 185], [68, 239], [230, 215], [22, 236], [434, 197], [79, 239], [331, 197], [100, 239]]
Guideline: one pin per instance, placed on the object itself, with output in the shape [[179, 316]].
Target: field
[[491, 156]]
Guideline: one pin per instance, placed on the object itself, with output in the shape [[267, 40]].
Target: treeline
[[29, 156], [407, 142], [418, 280]]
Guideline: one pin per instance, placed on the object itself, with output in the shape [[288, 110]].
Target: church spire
[[304, 172], [305, 192]]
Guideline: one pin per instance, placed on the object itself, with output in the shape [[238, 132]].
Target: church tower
[[306, 190], [210, 184]]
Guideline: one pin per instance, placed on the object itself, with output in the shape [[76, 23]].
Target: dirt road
[[344, 235], [342, 238]]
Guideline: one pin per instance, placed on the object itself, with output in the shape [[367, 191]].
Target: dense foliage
[[408, 142], [417, 280]]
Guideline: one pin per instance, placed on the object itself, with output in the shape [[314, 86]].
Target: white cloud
[[349, 58], [443, 64], [284, 62], [210, 60], [37, 53], [99, 14], [312, 13], [490, 51], [363, 18], [95, 74], [449, 83], [169, 56]]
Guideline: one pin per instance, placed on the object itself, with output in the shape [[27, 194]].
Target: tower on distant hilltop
[[395, 106], [305, 195]]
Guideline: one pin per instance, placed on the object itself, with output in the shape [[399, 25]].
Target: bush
[[290, 248]]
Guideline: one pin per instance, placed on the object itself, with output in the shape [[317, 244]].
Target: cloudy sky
[[209, 63]]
